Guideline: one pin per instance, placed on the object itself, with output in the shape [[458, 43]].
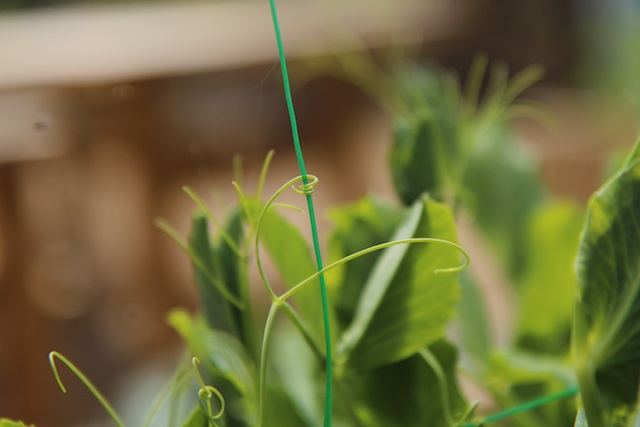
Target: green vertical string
[[312, 217]]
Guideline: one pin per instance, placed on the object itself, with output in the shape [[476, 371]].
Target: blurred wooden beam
[[105, 44]]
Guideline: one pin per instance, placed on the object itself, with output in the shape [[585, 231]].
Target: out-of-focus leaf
[[607, 310], [581, 419], [216, 308], [523, 377], [229, 265], [197, 418], [512, 368], [299, 373], [408, 393], [472, 323], [427, 139], [221, 355], [281, 411], [365, 223], [290, 253], [418, 164], [503, 182], [4, 422], [405, 304], [548, 289]]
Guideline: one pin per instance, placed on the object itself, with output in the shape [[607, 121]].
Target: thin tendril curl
[[302, 189], [82, 377], [206, 393]]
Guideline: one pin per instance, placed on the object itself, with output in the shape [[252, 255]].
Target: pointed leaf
[[216, 308], [415, 164], [229, 265], [360, 225], [405, 304]]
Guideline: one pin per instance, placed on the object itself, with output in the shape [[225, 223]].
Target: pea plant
[[365, 340]]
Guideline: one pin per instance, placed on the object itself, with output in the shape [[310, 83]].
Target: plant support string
[[312, 219]]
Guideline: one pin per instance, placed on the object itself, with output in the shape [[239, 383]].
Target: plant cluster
[[396, 282]]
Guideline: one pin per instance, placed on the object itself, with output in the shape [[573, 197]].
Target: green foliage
[[544, 322], [4, 422], [363, 224], [503, 190], [406, 302], [606, 330], [397, 395], [394, 287], [292, 257], [214, 269]]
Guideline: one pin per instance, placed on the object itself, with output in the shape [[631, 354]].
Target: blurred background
[[107, 108]]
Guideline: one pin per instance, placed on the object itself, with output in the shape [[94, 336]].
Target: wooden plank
[[100, 44]]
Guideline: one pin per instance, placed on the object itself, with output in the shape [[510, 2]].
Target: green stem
[[344, 399], [103, 401], [306, 334], [590, 398], [584, 362], [433, 363], [162, 396], [247, 319], [263, 361]]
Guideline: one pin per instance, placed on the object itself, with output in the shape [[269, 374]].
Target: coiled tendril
[[206, 393], [307, 188]]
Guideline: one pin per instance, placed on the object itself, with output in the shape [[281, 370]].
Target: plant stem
[[297, 322], [433, 363], [263, 361]]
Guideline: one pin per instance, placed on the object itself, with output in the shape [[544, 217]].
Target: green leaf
[[554, 234], [221, 355], [503, 189], [298, 371], [416, 164], [515, 367], [290, 253], [472, 322], [607, 310], [360, 225], [229, 265], [581, 419], [405, 304], [197, 418], [409, 394], [216, 308], [518, 378]]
